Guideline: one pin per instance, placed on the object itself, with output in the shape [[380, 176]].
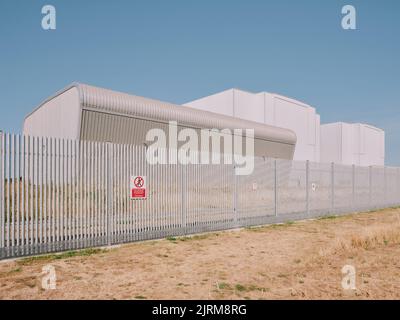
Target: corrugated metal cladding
[[105, 115], [99, 126], [139, 107]]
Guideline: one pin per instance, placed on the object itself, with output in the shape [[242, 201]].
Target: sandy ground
[[301, 260]]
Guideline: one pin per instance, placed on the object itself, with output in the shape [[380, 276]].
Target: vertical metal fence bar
[[57, 188], [235, 196], [124, 192], [385, 189], [276, 187], [93, 192], [101, 191], [101, 195], [129, 206], [45, 199], [62, 193], [398, 186], [114, 172], [29, 215], [105, 191], [142, 215], [80, 194], [90, 194], [133, 203], [8, 186], [26, 191], [109, 193], [307, 187], [23, 195], [72, 194], [370, 185], [57, 199], [85, 195], [75, 194], [353, 186], [35, 181], [130, 202], [96, 191], [49, 193], [183, 199], [136, 211], [13, 185], [332, 187], [17, 182], [40, 182], [53, 190], [118, 194], [68, 192]]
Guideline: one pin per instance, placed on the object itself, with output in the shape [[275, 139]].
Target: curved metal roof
[[125, 104]]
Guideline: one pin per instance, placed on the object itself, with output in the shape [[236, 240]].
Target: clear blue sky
[[180, 50]]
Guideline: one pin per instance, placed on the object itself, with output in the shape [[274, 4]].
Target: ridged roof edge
[[123, 103]]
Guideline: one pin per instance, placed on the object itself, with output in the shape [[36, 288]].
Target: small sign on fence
[[138, 188]]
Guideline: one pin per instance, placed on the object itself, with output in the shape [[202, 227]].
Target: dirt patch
[[301, 260]]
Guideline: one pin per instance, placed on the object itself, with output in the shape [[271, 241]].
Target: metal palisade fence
[[60, 195]]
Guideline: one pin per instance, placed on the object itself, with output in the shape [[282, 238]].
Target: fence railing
[[60, 195]]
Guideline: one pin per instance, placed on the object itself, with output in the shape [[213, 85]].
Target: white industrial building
[[89, 113], [83, 112], [352, 143], [342, 143], [271, 109]]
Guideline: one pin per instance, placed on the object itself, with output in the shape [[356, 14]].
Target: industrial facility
[[352, 143], [82, 112], [85, 179], [342, 143], [284, 128], [270, 109]]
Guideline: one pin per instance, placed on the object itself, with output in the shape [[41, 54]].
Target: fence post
[[235, 196], [353, 185], [110, 200], [398, 187], [332, 186], [183, 195], [370, 186], [276, 187], [384, 187], [308, 187]]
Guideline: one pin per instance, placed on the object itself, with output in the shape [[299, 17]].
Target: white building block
[[352, 143], [271, 109]]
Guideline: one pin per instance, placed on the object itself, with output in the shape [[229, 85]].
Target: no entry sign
[[138, 187]]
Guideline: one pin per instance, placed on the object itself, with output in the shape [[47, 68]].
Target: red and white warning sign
[[138, 187]]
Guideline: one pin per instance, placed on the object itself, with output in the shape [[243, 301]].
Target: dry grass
[[301, 260], [369, 237], [375, 237]]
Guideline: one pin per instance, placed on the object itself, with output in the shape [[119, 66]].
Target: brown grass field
[[301, 260]]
